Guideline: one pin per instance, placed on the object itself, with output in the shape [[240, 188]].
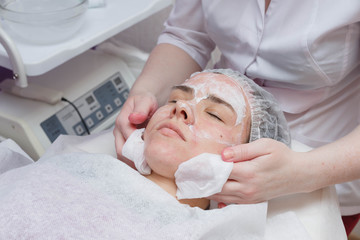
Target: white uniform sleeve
[[186, 29]]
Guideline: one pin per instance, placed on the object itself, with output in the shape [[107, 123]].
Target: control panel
[[95, 107]]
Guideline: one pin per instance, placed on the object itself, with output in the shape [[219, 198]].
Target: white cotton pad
[[133, 149], [202, 176]]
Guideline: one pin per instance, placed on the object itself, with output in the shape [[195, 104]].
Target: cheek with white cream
[[218, 137]]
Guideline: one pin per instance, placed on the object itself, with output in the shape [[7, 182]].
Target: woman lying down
[[177, 157]]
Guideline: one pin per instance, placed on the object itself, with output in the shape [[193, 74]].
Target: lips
[[171, 130]]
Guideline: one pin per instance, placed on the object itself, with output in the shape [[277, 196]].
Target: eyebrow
[[211, 97], [217, 100], [183, 88]]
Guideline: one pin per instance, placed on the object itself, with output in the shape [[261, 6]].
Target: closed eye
[[215, 116]]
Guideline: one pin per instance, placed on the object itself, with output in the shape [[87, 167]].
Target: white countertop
[[100, 24]]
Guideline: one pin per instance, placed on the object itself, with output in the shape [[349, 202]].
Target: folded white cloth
[[133, 150], [202, 176]]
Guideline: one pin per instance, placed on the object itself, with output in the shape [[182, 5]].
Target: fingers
[[221, 205], [235, 192], [262, 170], [127, 161], [248, 151], [137, 118], [119, 142], [244, 172], [225, 200], [135, 112], [143, 108], [123, 127]]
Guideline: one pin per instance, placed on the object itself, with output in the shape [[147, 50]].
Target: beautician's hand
[[263, 169], [135, 112]]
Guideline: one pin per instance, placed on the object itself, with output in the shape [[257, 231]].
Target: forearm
[[167, 65], [334, 163]]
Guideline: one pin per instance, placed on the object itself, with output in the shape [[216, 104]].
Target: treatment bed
[[52, 212]]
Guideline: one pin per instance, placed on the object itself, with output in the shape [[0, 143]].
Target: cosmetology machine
[[65, 87], [95, 83]]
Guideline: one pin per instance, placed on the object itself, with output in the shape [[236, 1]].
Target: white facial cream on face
[[228, 90], [206, 135]]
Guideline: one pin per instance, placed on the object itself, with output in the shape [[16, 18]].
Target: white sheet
[[12, 156], [95, 196]]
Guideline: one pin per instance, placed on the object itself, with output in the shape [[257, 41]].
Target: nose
[[183, 111]]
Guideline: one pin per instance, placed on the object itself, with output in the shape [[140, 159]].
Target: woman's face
[[205, 114]]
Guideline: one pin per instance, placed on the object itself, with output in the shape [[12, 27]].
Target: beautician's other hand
[[263, 169], [135, 112]]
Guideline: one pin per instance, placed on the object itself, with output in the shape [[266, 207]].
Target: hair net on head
[[267, 119]]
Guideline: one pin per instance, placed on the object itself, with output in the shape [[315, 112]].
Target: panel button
[[79, 129], [108, 108], [99, 115], [117, 102], [89, 122], [126, 94]]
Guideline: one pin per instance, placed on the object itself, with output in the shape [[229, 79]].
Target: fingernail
[[228, 154], [221, 205]]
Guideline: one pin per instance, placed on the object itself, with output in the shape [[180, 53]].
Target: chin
[[159, 145], [162, 154]]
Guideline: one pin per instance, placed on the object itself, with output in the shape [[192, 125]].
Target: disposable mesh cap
[[267, 119]]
